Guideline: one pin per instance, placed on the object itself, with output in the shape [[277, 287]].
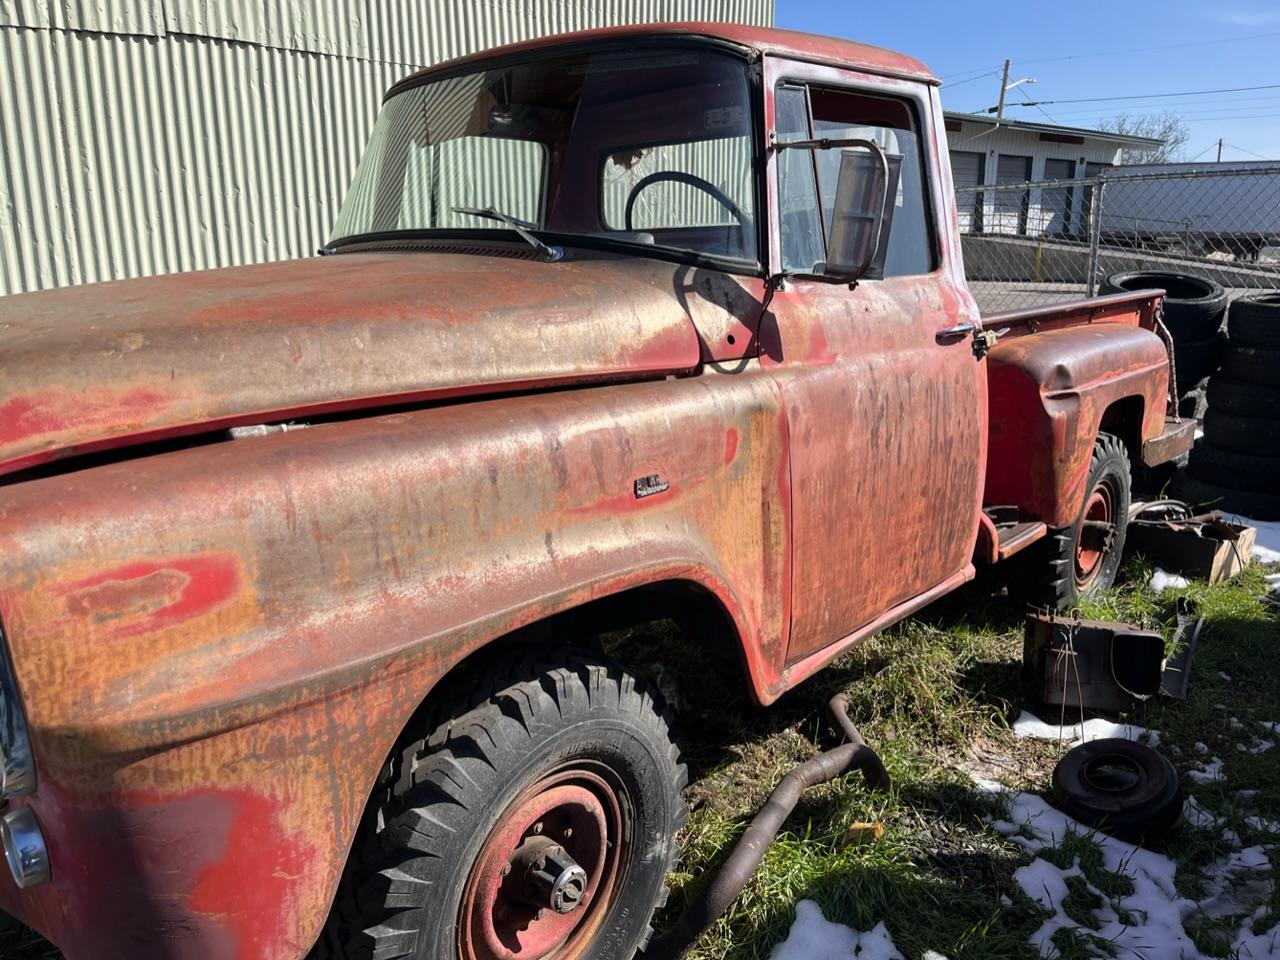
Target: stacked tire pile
[[1235, 466], [1193, 312]]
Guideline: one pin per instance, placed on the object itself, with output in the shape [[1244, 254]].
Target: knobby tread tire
[[1048, 573], [1255, 435], [439, 792], [1255, 321], [1256, 365]]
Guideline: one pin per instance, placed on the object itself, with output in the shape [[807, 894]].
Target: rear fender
[[1049, 393]]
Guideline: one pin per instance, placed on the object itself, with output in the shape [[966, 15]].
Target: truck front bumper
[[1174, 440]]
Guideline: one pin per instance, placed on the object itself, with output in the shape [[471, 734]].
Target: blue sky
[[1088, 50]]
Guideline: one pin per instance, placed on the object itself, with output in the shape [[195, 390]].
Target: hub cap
[[1093, 538], [544, 879]]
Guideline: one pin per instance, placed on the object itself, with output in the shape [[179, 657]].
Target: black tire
[[1255, 321], [455, 800], [1125, 789], [1254, 365], [1255, 435], [1196, 360], [1051, 574], [1193, 306], [1243, 399], [1210, 496], [1193, 403], [1239, 471]]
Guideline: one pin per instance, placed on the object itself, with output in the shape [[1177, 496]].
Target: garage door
[[1011, 205], [967, 170]]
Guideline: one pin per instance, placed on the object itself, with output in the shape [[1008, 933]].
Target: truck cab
[[302, 564]]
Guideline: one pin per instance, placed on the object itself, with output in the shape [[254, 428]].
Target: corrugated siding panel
[[124, 153], [139, 17]]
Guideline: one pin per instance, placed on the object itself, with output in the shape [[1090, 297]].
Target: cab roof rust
[[765, 40]]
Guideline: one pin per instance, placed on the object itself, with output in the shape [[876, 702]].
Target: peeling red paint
[[151, 595]]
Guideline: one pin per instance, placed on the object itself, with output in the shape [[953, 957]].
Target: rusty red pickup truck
[[303, 565]]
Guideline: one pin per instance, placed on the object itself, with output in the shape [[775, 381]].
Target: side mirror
[[857, 238]]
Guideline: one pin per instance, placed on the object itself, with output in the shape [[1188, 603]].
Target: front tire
[[1081, 560], [539, 823]]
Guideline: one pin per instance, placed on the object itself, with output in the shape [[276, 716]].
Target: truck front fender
[[217, 647]]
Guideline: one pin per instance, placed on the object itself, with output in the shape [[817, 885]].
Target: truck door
[[885, 400]]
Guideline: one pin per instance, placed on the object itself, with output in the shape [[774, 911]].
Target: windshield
[[648, 147]]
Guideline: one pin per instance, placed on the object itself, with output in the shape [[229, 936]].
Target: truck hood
[[111, 364]]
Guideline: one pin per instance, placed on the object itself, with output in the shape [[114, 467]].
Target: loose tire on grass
[[1211, 496], [1255, 321], [1239, 471], [1193, 306], [1123, 788], [1083, 559], [470, 849], [1255, 435], [1243, 399], [1256, 365]]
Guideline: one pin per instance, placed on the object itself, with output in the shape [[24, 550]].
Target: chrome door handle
[[958, 332]]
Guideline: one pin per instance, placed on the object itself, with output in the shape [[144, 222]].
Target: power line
[[981, 76], [1153, 96], [1249, 152]]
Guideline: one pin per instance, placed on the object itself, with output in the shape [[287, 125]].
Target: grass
[[935, 696]]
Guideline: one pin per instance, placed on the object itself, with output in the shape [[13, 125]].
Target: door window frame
[[779, 71]]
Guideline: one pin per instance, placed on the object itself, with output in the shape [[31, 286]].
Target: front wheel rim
[[512, 908], [1094, 535]]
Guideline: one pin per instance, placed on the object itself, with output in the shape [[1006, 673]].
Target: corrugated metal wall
[[147, 136]]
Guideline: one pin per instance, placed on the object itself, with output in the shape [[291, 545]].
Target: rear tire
[[568, 762], [1082, 559]]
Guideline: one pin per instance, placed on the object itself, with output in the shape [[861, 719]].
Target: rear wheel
[[538, 824], [1082, 559]]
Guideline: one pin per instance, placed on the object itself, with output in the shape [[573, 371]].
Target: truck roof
[[791, 43]]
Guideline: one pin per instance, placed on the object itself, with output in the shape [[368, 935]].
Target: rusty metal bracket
[[763, 829]]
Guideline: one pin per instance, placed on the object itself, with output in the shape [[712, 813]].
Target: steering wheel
[[676, 176]]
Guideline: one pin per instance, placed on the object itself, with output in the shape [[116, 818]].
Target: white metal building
[[986, 151], [147, 136]]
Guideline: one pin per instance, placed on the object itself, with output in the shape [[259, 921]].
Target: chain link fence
[[1028, 244]]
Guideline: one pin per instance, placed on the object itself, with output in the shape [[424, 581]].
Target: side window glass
[[803, 242], [843, 114]]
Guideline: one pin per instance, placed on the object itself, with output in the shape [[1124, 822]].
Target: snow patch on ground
[[1162, 580], [1029, 725], [814, 937], [1207, 772], [1149, 922]]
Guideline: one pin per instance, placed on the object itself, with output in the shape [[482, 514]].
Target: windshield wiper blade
[[547, 251]]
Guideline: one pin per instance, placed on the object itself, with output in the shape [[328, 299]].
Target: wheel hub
[[554, 878], [544, 879]]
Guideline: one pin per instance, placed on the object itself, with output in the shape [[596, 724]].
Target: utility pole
[[1004, 86], [1219, 149]]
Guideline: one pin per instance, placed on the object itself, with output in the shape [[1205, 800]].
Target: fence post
[[1095, 231]]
